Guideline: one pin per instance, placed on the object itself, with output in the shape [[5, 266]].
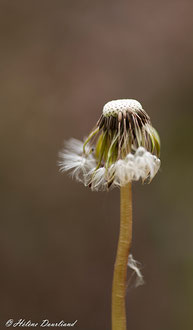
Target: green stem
[[90, 137], [120, 267]]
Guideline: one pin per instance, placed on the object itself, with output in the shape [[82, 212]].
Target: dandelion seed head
[[112, 108], [122, 147]]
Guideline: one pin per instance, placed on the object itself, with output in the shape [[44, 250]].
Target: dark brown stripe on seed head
[[105, 124], [130, 121], [139, 121], [101, 123], [109, 122], [114, 123]]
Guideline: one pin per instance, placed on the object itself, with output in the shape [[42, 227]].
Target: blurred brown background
[[60, 62]]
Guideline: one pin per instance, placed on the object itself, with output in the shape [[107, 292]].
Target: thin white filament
[[133, 264]]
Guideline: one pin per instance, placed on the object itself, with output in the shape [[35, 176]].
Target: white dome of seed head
[[112, 108]]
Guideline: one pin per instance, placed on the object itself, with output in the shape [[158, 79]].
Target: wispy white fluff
[[73, 159], [98, 179], [133, 264], [141, 165], [75, 146], [121, 174]]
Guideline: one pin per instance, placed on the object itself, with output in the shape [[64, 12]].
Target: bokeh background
[[61, 61]]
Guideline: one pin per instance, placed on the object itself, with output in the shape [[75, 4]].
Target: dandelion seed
[[133, 264]]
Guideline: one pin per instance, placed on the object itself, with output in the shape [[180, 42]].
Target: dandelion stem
[[120, 267]]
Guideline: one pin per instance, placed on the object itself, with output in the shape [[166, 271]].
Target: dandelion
[[122, 147]]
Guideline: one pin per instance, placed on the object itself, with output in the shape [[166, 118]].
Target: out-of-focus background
[[61, 61]]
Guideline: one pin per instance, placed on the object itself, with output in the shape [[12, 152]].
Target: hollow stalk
[[120, 267]]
